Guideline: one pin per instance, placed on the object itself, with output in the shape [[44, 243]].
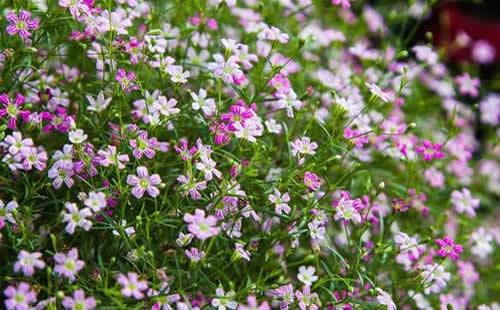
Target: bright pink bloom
[[448, 248], [12, 109], [429, 150]]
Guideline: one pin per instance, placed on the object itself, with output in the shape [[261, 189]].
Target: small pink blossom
[[312, 181], [143, 182], [430, 150], [468, 85], [200, 226], [131, 285], [448, 248]]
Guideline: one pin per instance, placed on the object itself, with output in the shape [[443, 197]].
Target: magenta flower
[[131, 285], [355, 137], [79, 301], [429, 150], [126, 80], [20, 297], [27, 263], [59, 121], [144, 182], [21, 24], [12, 109], [448, 248], [200, 226], [68, 265], [312, 181]]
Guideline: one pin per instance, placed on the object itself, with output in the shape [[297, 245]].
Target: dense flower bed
[[243, 155]]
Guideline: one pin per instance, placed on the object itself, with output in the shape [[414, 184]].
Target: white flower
[[77, 136], [384, 298], [224, 301], [96, 201], [230, 44], [273, 126], [306, 275], [129, 231], [166, 107], [207, 166], [289, 102], [375, 90], [6, 211], [200, 101], [316, 231], [482, 243], [76, 218], [281, 202], [99, 104], [177, 75]]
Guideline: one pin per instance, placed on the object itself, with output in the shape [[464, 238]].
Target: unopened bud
[[381, 185]]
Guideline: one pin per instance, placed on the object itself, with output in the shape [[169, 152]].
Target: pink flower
[[126, 80], [483, 52], [21, 24], [429, 150], [306, 299], [62, 172], [355, 137], [467, 273], [464, 202], [253, 304], [12, 109], [68, 265], [79, 301], [20, 297], [191, 187], [468, 85], [27, 262], [194, 254], [434, 177], [200, 226], [311, 180], [448, 248], [144, 182], [131, 285], [345, 3]]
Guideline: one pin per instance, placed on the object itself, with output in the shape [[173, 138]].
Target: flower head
[[21, 24], [131, 285], [143, 182], [447, 247], [68, 265], [200, 226]]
